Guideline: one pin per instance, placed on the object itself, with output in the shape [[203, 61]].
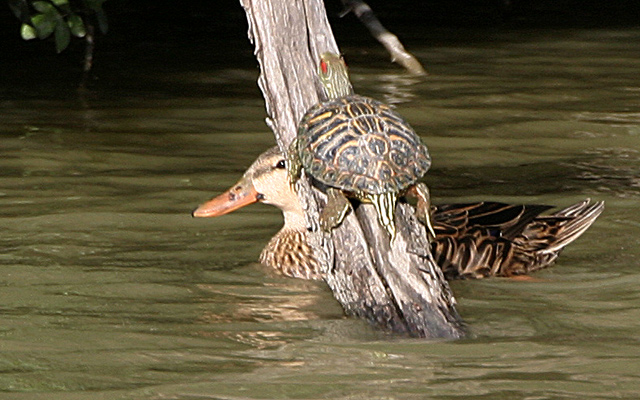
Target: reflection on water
[[622, 179], [109, 289]]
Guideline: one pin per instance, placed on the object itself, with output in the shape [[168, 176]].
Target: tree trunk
[[396, 286]]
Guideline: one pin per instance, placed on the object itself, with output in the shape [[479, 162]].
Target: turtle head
[[334, 76]]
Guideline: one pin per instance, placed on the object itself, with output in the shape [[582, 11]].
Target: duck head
[[265, 181]]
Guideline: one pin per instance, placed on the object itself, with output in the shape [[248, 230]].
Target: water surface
[[110, 290]]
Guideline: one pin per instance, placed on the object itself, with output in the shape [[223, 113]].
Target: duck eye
[[280, 164]]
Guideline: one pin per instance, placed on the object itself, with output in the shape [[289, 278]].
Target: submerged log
[[396, 286]]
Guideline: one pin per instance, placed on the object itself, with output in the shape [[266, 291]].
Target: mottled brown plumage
[[473, 240], [289, 254], [485, 239]]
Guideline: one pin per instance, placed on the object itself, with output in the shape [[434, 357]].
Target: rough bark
[[395, 286]]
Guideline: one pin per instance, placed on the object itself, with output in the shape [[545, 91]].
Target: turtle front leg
[[336, 209], [385, 205], [423, 208]]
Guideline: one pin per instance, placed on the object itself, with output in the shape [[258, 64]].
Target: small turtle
[[359, 147]]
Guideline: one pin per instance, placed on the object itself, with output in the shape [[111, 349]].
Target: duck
[[472, 240]]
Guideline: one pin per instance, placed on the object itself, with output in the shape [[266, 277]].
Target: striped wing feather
[[486, 239]]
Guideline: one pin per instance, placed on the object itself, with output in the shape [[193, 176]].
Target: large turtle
[[359, 147]]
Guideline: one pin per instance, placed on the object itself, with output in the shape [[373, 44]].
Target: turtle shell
[[359, 144]]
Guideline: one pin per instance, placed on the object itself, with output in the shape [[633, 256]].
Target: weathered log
[[396, 286]]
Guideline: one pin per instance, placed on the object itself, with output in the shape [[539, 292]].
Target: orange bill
[[241, 194]]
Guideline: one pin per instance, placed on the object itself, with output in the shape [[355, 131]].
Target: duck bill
[[241, 194]]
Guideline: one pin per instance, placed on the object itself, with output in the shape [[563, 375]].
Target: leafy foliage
[[62, 18]]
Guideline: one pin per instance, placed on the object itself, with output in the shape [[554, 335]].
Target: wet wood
[[395, 286]]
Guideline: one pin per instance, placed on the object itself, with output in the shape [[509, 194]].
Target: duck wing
[[476, 240]]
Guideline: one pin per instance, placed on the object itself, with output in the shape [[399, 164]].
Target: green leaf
[[43, 7], [44, 24], [60, 3], [62, 36], [76, 25], [27, 32]]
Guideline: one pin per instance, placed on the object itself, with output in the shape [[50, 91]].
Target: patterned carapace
[[356, 143]]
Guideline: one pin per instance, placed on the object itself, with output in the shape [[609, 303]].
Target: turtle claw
[[424, 216], [423, 208], [385, 205], [335, 210]]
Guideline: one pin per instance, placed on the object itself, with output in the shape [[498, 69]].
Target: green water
[[110, 290]]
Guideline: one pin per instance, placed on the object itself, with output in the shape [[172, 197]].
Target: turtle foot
[[385, 205], [423, 208], [334, 212]]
